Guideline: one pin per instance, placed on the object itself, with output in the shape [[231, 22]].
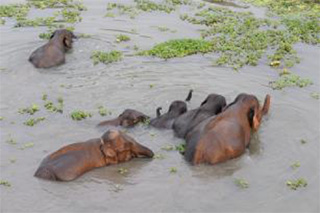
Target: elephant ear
[[254, 117], [266, 105], [67, 41]]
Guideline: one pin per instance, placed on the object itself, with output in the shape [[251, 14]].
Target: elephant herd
[[214, 132]]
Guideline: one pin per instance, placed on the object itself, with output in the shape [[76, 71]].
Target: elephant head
[[119, 147], [64, 37]]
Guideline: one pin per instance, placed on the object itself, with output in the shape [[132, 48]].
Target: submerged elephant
[[73, 160], [128, 118], [53, 53], [212, 105], [226, 136], [176, 109]]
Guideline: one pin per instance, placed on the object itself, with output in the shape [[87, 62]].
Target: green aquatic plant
[[303, 141], [44, 96], [5, 183], [11, 141], [2, 21], [121, 38], [173, 170], [1, 118], [158, 156], [123, 171], [241, 183], [27, 145], [33, 121], [78, 115], [29, 110], [290, 80], [181, 148], [49, 105], [295, 165], [179, 48], [40, 21], [104, 111], [71, 16], [43, 4], [13, 160], [17, 11], [298, 183], [168, 147], [106, 57], [315, 95]]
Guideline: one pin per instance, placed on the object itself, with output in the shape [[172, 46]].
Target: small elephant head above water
[[166, 120], [53, 53], [73, 160], [128, 118]]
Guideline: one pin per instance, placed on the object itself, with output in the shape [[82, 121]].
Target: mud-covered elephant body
[[75, 159], [53, 53], [226, 136]]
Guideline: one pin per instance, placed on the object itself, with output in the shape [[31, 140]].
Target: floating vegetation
[[241, 183], [241, 39], [109, 14], [315, 95], [49, 105], [11, 141], [140, 6], [27, 145], [165, 29], [173, 170], [295, 184], [121, 38], [151, 86], [43, 4], [179, 48], [17, 11], [29, 110], [104, 111], [1, 118], [5, 183], [13, 160], [44, 97], [302, 141], [71, 16], [106, 57], [290, 80], [168, 147], [33, 121], [158, 156], [181, 148], [79, 115], [295, 165], [123, 171]]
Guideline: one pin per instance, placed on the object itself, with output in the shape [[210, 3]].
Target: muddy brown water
[[149, 186]]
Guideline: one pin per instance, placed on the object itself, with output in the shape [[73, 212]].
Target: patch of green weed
[[30, 110], [121, 38], [241, 183], [298, 183], [290, 80], [106, 57], [78, 115], [33, 121], [179, 48]]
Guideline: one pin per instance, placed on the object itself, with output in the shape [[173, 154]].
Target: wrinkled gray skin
[[53, 53], [212, 105]]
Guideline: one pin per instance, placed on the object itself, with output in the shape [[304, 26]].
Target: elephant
[[75, 159], [176, 108], [212, 105], [53, 53], [226, 135], [127, 118]]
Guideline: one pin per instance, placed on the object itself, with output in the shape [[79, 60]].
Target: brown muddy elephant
[[226, 136], [176, 108], [53, 53], [212, 105], [73, 160], [128, 118]]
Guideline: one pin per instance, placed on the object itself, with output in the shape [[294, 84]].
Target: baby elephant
[[73, 160], [226, 135], [128, 118], [212, 105], [53, 53], [176, 109]]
